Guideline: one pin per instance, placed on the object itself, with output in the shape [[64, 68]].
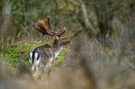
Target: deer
[[42, 57]]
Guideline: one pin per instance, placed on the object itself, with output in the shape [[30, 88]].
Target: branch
[[88, 24]]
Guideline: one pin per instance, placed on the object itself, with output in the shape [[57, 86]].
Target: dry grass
[[113, 66]]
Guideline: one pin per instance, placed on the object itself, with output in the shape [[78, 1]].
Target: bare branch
[[88, 24]]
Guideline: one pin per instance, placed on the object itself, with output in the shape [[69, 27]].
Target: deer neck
[[57, 47]]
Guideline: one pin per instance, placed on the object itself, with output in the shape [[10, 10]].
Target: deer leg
[[37, 73], [46, 70], [33, 69]]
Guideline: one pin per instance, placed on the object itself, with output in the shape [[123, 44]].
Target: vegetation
[[101, 52]]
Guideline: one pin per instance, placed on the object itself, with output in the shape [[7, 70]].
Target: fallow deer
[[42, 57]]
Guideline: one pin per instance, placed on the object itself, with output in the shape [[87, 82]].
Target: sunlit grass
[[61, 56], [20, 51], [16, 52]]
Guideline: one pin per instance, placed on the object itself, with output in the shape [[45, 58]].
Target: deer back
[[42, 53]]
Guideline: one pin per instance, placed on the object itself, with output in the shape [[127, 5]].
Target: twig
[[86, 20], [25, 29]]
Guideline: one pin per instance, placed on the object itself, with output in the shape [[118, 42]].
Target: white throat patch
[[57, 52]]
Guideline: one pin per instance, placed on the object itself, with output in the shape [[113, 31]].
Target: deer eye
[[63, 38]]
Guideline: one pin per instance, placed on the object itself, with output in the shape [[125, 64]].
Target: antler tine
[[57, 30], [59, 34]]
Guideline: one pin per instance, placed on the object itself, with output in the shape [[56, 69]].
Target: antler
[[61, 32], [45, 28]]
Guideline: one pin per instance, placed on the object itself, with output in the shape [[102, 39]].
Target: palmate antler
[[45, 28]]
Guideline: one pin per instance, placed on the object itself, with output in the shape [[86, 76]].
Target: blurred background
[[102, 50]]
